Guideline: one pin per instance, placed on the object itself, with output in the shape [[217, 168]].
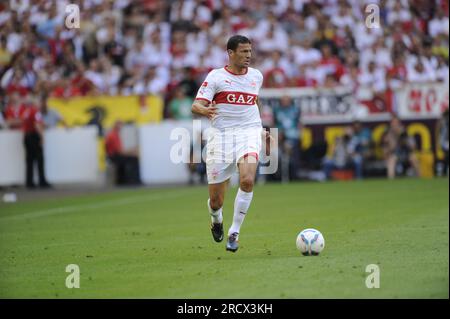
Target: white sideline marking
[[77, 208]]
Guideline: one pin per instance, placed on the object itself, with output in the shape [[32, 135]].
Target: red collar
[[226, 69]]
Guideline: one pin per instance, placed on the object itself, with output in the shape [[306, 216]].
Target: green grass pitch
[[156, 243]]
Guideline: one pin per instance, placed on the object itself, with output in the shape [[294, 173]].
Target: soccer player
[[228, 98]]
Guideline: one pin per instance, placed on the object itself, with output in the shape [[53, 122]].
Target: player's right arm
[[202, 104], [204, 108]]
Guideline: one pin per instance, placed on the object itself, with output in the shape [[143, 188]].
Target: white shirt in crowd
[[375, 79], [425, 76], [438, 26], [306, 55]]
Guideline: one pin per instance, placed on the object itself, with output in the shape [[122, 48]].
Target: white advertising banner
[[318, 105], [71, 155], [12, 158], [421, 100], [165, 150]]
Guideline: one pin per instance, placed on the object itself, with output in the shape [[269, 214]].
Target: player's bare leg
[[247, 172], [215, 203]]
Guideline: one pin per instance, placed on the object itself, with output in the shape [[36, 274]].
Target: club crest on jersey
[[205, 84]]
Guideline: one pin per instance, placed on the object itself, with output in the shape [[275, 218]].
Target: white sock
[[241, 205], [216, 215]]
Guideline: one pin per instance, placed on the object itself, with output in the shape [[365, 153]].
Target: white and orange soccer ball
[[310, 242]]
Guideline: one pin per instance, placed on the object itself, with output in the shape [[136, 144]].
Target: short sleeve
[[260, 80], [207, 90]]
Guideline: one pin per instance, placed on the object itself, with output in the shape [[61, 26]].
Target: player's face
[[242, 55]]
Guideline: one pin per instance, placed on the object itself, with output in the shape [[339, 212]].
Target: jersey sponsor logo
[[236, 98]]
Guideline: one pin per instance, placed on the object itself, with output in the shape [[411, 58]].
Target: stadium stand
[[156, 47]]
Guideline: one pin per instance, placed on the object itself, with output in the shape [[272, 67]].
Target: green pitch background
[[156, 243]]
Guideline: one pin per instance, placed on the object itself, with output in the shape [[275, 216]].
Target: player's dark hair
[[234, 41]]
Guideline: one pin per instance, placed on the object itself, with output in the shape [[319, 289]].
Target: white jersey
[[235, 96]]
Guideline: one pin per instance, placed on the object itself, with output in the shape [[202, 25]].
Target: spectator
[[150, 83], [13, 111], [305, 53], [5, 55], [443, 137], [180, 106], [360, 147], [373, 77], [442, 73], [398, 149], [26, 116], [330, 81], [330, 63], [439, 24], [50, 117], [116, 39], [126, 162], [188, 82], [397, 74], [277, 70], [350, 78], [419, 74], [287, 120], [344, 155]]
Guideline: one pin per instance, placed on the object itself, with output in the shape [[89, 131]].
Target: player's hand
[[268, 139], [267, 136], [211, 111]]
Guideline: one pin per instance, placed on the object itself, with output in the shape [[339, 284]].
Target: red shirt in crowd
[[334, 65], [398, 72], [29, 116], [13, 88], [275, 78], [14, 113], [113, 143]]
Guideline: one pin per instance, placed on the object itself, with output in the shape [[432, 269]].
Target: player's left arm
[[258, 105], [265, 133]]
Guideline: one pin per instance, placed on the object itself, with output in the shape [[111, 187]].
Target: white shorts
[[226, 148]]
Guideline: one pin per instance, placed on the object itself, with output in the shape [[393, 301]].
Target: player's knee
[[246, 184], [216, 202]]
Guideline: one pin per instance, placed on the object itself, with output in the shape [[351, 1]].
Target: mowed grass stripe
[[96, 205], [164, 249]]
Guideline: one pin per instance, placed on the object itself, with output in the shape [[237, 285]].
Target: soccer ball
[[310, 242]]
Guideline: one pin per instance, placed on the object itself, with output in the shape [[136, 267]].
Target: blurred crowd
[[166, 48], [355, 153], [126, 47]]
